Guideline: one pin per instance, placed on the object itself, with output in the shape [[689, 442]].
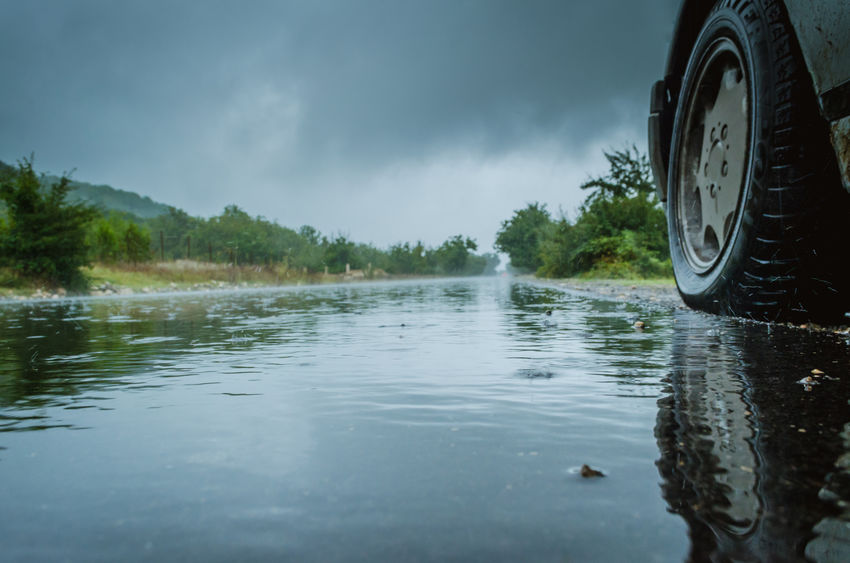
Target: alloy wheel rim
[[714, 156]]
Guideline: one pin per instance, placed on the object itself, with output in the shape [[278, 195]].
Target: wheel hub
[[715, 156]]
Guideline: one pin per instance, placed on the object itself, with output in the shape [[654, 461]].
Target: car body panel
[[823, 32]]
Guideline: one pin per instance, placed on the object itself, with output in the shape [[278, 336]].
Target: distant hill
[[104, 197], [109, 198]]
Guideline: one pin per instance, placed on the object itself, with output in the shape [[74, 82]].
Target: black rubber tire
[[778, 262]]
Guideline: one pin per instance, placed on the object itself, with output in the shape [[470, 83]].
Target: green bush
[[45, 236], [103, 241], [522, 235], [620, 232], [137, 244]]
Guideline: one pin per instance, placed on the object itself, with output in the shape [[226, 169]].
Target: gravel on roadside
[[660, 293], [657, 293]]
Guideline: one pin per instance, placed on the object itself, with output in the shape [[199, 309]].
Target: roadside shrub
[[523, 234], [621, 229], [45, 238]]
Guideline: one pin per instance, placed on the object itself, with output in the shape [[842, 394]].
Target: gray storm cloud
[[308, 111]]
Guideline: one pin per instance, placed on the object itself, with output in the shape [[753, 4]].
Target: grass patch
[[9, 279], [186, 273], [11, 284]]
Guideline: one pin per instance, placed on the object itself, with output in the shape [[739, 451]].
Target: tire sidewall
[[712, 290]]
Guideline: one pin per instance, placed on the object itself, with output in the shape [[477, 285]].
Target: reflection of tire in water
[[748, 456]]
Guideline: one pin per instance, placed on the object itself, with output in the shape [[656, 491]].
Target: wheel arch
[[665, 93], [692, 16]]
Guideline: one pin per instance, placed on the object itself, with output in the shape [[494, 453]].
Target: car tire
[[753, 186]]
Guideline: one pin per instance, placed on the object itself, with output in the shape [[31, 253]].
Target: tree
[[46, 236], [625, 200], [407, 259], [103, 241], [557, 251], [339, 252], [520, 237], [621, 228], [629, 175], [310, 234], [175, 226], [453, 254], [137, 244]]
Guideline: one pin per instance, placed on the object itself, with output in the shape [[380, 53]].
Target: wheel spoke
[[718, 163], [724, 140]]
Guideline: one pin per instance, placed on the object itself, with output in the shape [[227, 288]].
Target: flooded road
[[436, 420]]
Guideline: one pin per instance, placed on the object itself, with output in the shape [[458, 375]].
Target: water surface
[[437, 420]]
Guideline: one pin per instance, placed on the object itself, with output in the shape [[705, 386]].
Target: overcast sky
[[386, 120]]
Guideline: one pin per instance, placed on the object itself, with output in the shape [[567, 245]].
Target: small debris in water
[[587, 472], [640, 325], [535, 373]]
